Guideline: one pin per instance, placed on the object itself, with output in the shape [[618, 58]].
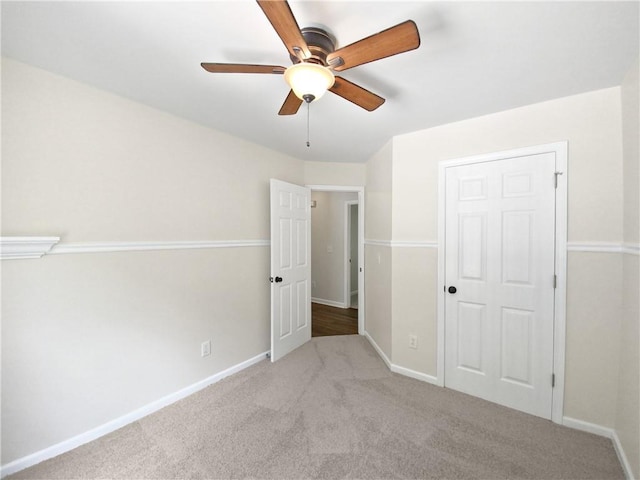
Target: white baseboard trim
[[624, 461], [587, 427], [566, 421], [329, 303], [95, 433], [603, 432], [375, 346], [407, 372]]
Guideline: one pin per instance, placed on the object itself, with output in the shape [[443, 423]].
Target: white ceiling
[[475, 58]]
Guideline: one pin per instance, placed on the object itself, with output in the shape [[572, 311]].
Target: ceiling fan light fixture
[[309, 81]]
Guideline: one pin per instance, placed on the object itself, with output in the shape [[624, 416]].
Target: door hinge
[[555, 281], [555, 175], [553, 380]]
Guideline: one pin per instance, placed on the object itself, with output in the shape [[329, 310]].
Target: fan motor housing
[[320, 44]]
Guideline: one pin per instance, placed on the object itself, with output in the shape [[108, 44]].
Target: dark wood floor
[[327, 320]]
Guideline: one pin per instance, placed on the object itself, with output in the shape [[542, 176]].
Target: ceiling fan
[[315, 58]]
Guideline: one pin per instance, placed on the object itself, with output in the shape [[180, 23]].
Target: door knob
[[278, 279], [453, 289]]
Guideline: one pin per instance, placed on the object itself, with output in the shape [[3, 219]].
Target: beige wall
[[591, 123], [631, 148], [335, 173], [593, 335], [327, 246], [415, 279], [89, 166], [88, 338], [78, 330], [378, 257], [628, 403]]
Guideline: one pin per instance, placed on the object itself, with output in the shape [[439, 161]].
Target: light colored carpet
[[332, 409]]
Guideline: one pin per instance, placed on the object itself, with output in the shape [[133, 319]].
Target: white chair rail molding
[[14, 248]]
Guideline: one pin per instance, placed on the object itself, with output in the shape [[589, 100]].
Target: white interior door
[[290, 267], [499, 281]]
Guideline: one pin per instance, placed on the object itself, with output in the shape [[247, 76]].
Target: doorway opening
[[337, 273]]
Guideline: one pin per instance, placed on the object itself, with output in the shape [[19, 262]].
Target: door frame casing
[[560, 149], [347, 250], [360, 191]]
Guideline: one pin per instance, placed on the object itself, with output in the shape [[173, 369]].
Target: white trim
[[414, 244], [95, 433], [330, 303], [560, 149], [377, 243], [362, 312], [624, 461], [407, 372], [604, 247], [17, 248], [603, 432], [104, 247], [383, 355], [587, 427], [595, 247], [402, 243], [631, 248], [347, 249]]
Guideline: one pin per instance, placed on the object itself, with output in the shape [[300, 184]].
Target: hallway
[[326, 320]]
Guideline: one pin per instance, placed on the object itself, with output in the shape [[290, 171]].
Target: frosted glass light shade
[[309, 79]]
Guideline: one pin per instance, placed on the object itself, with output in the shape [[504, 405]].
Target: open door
[[290, 267]]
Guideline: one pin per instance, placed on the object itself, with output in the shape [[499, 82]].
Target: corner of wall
[[627, 421]]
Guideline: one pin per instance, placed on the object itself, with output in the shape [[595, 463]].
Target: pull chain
[[308, 98], [308, 116]]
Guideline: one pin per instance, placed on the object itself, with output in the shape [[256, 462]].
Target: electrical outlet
[[205, 348], [413, 341]]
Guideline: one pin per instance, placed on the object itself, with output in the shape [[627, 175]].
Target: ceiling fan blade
[[241, 68], [290, 105], [356, 94], [401, 38], [284, 23]]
